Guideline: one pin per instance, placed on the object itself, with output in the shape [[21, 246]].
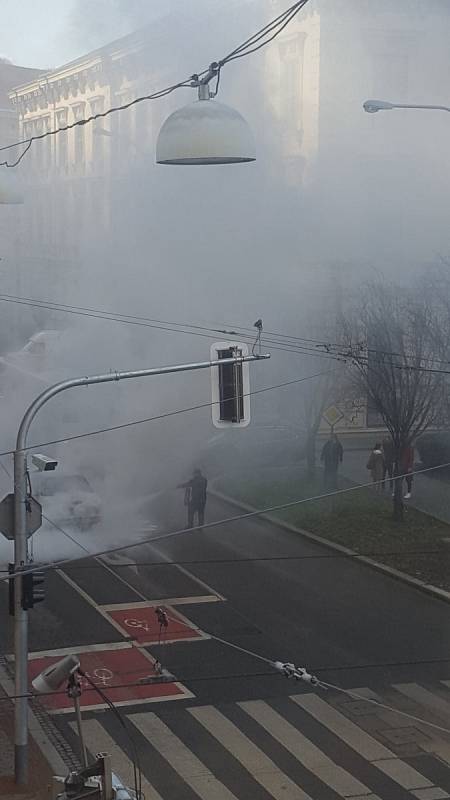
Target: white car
[[67, 500]]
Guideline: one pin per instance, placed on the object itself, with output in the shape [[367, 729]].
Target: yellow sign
[[332, 415]]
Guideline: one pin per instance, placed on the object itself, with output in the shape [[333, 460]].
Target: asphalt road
[[270, 592]]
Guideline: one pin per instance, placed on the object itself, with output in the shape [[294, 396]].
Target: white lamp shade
[[205, 132], [10, 188]]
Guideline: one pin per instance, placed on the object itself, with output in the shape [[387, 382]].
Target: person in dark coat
[[387, 447], [195, 497], [332, 455]]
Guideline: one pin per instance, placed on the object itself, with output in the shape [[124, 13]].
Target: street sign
[[332, 415], [34, 516]]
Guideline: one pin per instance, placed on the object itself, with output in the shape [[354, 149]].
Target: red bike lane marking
[[117, 673], [143, 626]]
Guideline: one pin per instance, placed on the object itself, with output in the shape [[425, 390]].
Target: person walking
[[332, 455], [376, 465], [406, 466], [195, 497], [387, 446]]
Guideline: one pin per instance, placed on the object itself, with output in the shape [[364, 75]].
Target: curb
[[36, 730], [427, 588]]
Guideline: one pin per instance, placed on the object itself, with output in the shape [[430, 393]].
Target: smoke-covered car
[[68, 500]]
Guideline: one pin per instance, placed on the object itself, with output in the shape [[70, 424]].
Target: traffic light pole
[[20, 533]]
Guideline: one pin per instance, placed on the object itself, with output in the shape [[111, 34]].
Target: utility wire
[[217, 523], [277, 345], [249, 560], [282, 342], [253, 654], [274, 28], [164, 415]]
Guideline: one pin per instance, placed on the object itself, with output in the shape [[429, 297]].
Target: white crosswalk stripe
[[363, 743], [180, 758], [304, 750], [216, 754], [97, 740], [260, 766]]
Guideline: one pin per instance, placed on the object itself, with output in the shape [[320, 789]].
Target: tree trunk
[[311, 453], [398, 494]]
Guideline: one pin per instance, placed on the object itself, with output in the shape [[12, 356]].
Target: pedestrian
[[376, 466], [195, 497], [406, 466], [387, 446], [332, 455]]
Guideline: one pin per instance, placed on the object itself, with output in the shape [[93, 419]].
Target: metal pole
[[76, 702], [20, 621], [20, 531]]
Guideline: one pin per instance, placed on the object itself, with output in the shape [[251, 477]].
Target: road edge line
[[427, 588]]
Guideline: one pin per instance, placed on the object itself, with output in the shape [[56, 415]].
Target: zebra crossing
[[304, 746]]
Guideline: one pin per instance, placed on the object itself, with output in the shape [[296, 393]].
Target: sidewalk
[[44, 758], [430, 491], [39, 769]]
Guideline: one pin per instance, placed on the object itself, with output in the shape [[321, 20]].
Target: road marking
[[424, 697], [89, 600], [364, 744], [304, 750], [180, 758], [187, 572], [98, 741], [163, 601], [260, 766], [436, 745], [79, 650]]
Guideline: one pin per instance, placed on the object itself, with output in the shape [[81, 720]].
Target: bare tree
[[392, 341]]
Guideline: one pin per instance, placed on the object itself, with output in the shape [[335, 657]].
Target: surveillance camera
[[44, 463], [53, 677]]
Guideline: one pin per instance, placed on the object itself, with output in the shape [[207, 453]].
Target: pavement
[[430, 490], [221, 723]]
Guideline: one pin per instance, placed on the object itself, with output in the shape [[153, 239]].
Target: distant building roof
[[11, 75]]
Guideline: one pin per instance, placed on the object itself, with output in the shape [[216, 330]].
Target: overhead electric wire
[[349, 692], [217, 523], [243, 560], [274, 28], [164, 415], [275, 345], [241, 676], [282, 342]]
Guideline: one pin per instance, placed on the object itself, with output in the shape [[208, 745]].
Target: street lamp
[[372, 106], [205, 131]]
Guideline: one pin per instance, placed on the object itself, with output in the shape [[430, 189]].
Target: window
[[62, 142], [79, 138], [100, 133]]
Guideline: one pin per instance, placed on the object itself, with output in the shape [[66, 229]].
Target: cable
[[356, 696], [250, 559], [135, 755], [217, 523], [282, 342], [164, 415], [303, 350], [275, 27]]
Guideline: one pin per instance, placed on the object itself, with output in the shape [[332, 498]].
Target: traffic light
[[32, 591], [230, 386]]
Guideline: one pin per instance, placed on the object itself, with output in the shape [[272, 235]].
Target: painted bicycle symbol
[[137, 623], [101, 676]]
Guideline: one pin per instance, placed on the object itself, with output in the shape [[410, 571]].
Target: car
[[68, 500]]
